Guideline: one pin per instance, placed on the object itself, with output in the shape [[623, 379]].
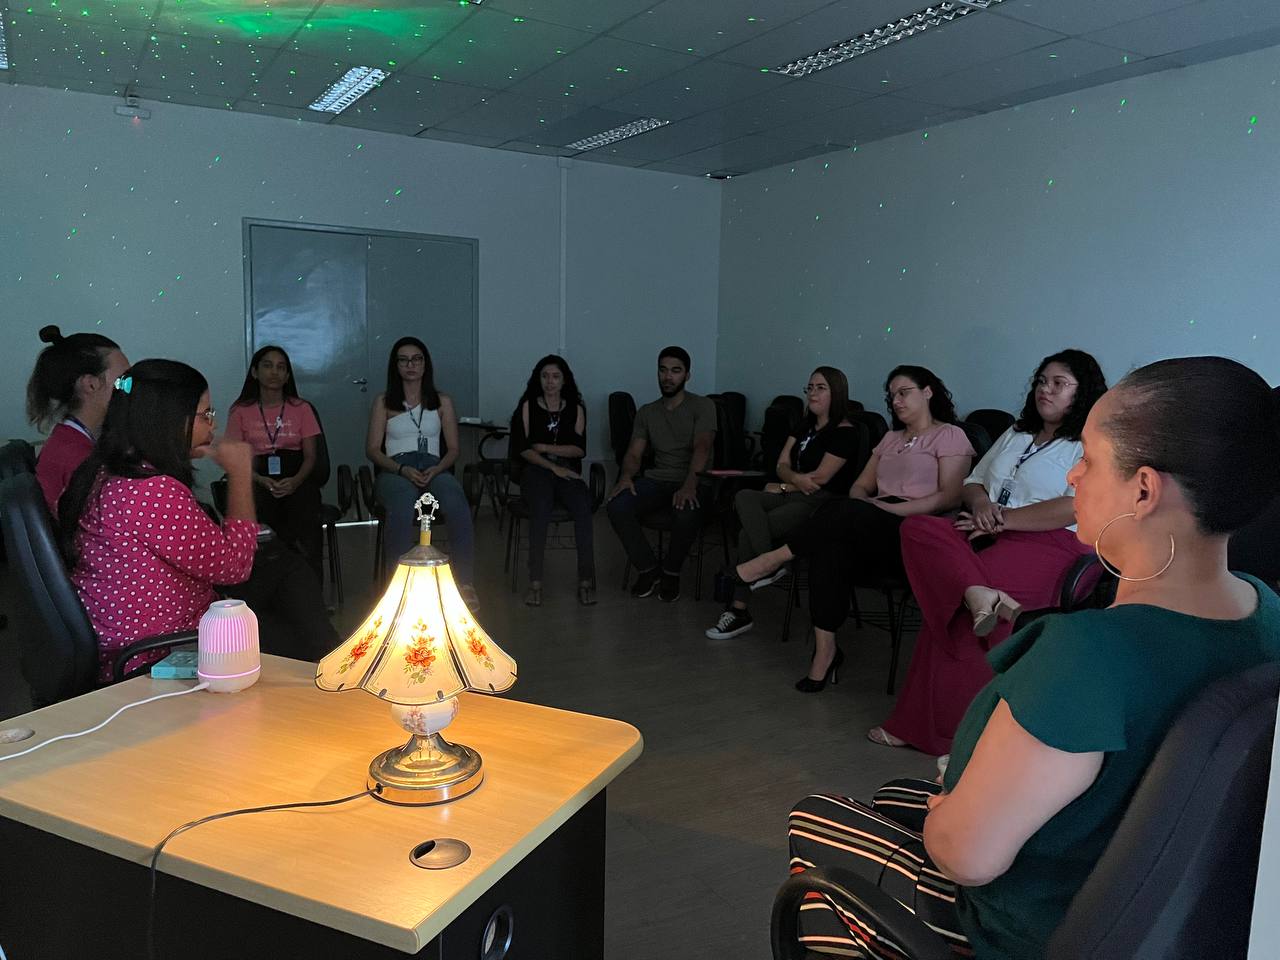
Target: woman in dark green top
[[1176, 457]]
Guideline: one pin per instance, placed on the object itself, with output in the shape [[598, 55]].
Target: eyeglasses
[[413, 361], [899, 394], [815, 388], [1056, 385], [208, 416]]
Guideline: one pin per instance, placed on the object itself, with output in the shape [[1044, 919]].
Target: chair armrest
[[1080, 571], [596, 484], [142, 646], [885, 914]]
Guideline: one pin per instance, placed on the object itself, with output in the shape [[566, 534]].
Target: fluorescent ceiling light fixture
[[4, 51], [355, 84], [617, 133], [908, 26]]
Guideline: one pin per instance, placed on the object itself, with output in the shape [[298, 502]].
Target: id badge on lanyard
[[424, 444], [273, 465]]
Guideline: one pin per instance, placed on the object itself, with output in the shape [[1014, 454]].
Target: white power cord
[[82, 733]]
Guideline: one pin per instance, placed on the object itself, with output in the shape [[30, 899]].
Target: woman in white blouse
[[1008, 548]]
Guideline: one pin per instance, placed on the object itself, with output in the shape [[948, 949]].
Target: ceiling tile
[[492, 49], [81, 50], [671, 166], [508, 116], [542, 149], [1208, 21], [868, 120], [593, 157], [33, 78], [818, 30], [743, 153], [257, 22], [702, 87], [383, 34], [474, 140], [602, 70], [1052, 63], [187, 97], [296, 80], [596, 16], [1228, 48], [795, 101], [1082, 16], [976, 38], [707, 28], [276, 110], [586, 123], [409, 104], [204, 67], [135, 14], [1135, 68], [673, 140]]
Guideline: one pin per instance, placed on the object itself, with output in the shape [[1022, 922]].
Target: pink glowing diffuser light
[[228, 642]]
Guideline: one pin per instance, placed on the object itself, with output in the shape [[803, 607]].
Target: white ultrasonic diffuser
[[228, 642]]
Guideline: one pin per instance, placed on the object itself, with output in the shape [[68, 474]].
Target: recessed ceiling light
[[907, 26], [4, 51], [354, 84], [617, 133]]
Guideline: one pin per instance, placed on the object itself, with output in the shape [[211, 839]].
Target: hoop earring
[[1097, 549]]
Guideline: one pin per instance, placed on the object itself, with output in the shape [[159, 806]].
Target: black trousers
[[847, 541], [285, 594], [626, 509], [541, 489], [295, 519]]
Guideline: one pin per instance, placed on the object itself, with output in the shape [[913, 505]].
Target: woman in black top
[[549, 432], [816, 463]]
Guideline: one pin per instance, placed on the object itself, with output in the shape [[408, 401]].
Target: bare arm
[[449, 430], [1011, 787], [535, 453], [564, 449], [783, 468], [630, 467], [864, 488], [1046, 515], [376, 433]]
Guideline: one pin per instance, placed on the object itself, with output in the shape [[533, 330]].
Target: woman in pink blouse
[[146, 557], [918, 468], [282, 429]]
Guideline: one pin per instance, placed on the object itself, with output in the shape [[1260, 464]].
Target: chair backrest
[[1177, 879], [622, 418], [773, 437], [346, 490], [1255, 548], [367, 492], [995, 422], [978, 436], [737, 405], [59, 646], [876, 425], [320, 472], [792, 404], [17, 456], [730, 450]]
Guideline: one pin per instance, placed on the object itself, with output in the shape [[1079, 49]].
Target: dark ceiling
[[535, 75]]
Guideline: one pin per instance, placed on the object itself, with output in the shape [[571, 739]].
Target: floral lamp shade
[[419, 645]]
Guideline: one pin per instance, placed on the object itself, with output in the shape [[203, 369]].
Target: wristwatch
[[782, 487]]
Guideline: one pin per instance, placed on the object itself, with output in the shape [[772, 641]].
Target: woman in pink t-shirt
[[144, 555], [70, 388], [282, 429], [917, 468]]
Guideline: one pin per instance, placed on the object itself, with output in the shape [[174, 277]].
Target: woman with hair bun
[[1050, 752], [70, 389]]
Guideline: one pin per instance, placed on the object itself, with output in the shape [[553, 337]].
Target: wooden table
[[79, 819]]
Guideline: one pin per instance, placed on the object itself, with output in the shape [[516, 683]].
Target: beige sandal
[[883, 737]]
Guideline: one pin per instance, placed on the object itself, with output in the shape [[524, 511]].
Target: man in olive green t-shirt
[[679, 429]]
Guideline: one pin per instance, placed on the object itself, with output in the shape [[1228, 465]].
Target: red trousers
[[949, 665]]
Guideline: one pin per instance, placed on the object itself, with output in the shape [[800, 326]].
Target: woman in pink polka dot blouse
[[145, 555]]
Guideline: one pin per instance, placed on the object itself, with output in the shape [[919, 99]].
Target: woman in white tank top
[[413, 441]]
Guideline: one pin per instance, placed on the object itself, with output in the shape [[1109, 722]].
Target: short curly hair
[[1091, 384]]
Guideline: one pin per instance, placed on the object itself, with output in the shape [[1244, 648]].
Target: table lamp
[[418, 649]]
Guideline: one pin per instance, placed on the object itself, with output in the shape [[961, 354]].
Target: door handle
[[362, 383]]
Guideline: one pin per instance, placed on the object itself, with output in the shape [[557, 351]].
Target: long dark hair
[[147, 433], [1091, 385], [51, 391], [393, 399], [1190, 416], [838, 386], [251, 392], [941, 407], [569, 391]]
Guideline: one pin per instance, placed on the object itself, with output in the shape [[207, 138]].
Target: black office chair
[[773, 435], [978, 436], [876, 425], [17, 456], [1177, 879], [794, 406], [59, 645], [1255, 548], [995, 422], [622, 418]]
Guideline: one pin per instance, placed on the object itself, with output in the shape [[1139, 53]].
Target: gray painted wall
[[157, 200], [1135, 220]]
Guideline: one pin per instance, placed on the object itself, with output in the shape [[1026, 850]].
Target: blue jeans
[[398, 495]]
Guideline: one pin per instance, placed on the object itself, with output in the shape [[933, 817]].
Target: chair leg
[[895, 641], [335, 562], [697, 576], [793, 600], [514, 528]]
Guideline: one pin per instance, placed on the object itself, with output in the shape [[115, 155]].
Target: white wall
[[1135, 220], [157, 200]]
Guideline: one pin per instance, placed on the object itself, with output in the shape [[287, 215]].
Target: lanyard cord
[[272, 437], [1029, 453]]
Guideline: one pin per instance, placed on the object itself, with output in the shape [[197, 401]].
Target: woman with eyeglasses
[[145, 558], [282, 429], [1009, 548], [917, 468], [413, 440], [1049, 754], [816, 464]]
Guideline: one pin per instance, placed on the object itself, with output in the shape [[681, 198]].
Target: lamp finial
[[425, 508]]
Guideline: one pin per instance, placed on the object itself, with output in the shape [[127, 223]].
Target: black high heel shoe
[[807, 685]]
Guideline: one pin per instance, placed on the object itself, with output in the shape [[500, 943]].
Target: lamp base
[[426, 770]]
